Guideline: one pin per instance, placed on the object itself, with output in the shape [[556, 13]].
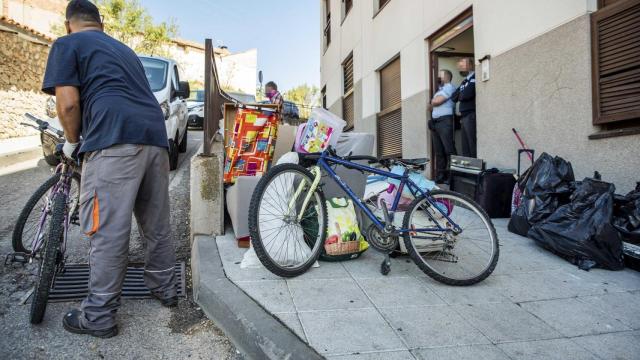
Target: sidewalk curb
[[253, 330], [15, 157]]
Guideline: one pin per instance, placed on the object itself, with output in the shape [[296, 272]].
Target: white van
[[171, 93]]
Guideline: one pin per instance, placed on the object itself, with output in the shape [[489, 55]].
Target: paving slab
[[488, 291], [618, 346], [273, 295], [554, 349], [328, 294], [554, 284], [292, 321], [624, 306], [574, 318], [475, 352], [349, 331], [398, 292], [368, 266], [432, 326], [502, 322], [387, 355]]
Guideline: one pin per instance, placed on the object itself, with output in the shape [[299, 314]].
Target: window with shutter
[[615, 34], [347, 99], [323, 94], [327, 26], [390, 116], [603, 3]]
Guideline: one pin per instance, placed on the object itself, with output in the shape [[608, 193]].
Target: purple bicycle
[[41, 230]]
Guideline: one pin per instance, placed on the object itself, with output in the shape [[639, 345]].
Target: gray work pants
[[116, 182]]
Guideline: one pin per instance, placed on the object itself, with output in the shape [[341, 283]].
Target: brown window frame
[[381, 5], [327, 25], [347, 6], [348, 81], [611, 122], [390, 109], [603, 3], [323, 94]]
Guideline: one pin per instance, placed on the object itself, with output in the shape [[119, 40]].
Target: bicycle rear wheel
[[28, 226], [49, 259], [462, 258], [285, 245]]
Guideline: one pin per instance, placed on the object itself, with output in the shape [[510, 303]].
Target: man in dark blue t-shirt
[[102, 94]]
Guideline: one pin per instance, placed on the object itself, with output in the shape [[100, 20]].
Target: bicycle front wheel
[[287, 243], [49, 259], [31, 225], [461, 258]]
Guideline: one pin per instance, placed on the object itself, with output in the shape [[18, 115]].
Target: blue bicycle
[[447, 234]]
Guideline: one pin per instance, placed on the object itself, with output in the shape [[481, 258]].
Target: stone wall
[[22, 63]]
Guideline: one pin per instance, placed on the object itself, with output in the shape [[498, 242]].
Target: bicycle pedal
[[17, 257]]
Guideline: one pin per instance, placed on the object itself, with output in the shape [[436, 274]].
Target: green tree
[[130, 22], [305, 96]]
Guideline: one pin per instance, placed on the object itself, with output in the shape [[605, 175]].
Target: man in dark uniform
[[102, 93], [466, 96]]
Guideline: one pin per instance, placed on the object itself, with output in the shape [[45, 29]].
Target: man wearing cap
[[102, 93]]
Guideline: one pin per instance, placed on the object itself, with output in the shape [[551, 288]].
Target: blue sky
[[285, 32]]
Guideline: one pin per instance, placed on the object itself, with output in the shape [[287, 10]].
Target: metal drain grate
[[73, 283]]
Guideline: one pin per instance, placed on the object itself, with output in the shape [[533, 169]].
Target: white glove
[[69, 149]]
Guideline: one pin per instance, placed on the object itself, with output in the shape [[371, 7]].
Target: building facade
[[40, 15], [563, 73]]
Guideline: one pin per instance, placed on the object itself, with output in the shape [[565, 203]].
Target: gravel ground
[[147, 330]]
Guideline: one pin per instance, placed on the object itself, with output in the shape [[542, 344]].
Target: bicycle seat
[[418, 163]]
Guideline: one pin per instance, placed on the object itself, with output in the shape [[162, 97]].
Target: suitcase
[[494, 193]]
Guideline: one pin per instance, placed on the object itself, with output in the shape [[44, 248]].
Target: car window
[[156, 72], [200, 95]]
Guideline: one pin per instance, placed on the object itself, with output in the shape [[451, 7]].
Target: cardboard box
[[238, 199]]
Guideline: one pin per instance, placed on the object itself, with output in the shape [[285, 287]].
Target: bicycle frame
[[325, 162], [62, 186]]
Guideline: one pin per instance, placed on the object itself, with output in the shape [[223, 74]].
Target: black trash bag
[[626, 216], [545, 186], [582, 231]]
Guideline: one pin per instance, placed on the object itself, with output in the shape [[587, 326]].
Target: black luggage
[[494, 192]]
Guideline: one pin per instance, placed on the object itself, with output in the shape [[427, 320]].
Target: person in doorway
[[274, 96], [102, 93], [442, 125], [466, 96]]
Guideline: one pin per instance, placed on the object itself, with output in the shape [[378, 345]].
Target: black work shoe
[[71, 323], [168, 302]]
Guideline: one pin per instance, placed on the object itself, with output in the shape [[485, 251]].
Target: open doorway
[[451, 43]]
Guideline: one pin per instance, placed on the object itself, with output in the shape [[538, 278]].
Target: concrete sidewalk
[[535, 305], [15, 150]]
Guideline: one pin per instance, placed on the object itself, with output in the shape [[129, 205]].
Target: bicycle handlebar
[[43, 125]]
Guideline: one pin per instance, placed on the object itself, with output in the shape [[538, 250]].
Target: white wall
[[500, 25], [33, 17], [403, 26], [238, 70]]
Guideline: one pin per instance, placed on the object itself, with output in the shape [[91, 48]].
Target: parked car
[[164, 80], [171, 93], [195, 106]]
